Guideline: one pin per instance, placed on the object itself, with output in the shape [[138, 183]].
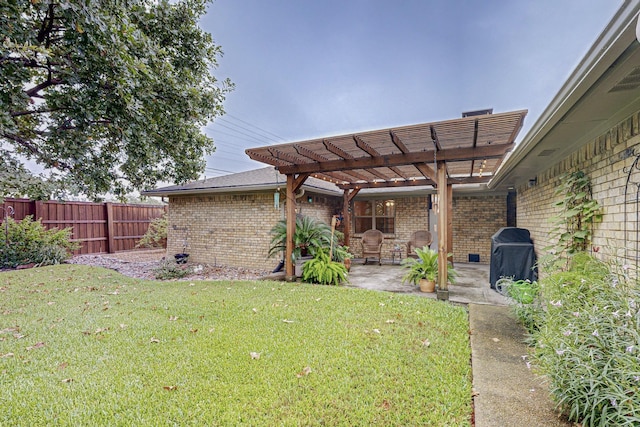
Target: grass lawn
[[82, 345]]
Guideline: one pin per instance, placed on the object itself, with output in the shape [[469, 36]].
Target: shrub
[[310, 235], [527, 307], [322, 270], [156, 235], [27, 242], [171, 270], [589, 343]]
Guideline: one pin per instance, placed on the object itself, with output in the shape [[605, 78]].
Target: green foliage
[[310, 235], [527, 307], [29, 242], [589, 343], [340, 253], [322, 270], [129, 352], [156, 235], [110, 96], [17, 181], [169, 270], [425, 267], [573, 227]]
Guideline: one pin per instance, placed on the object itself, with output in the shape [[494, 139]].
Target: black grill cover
[[512, 255]]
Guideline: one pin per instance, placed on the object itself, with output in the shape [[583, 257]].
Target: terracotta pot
[[347, 263], [427, 285]]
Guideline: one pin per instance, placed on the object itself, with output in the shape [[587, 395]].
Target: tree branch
[[29, 112], [47, 25], [50, 82], [34, 150]]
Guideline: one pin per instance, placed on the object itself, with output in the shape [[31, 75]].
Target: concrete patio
[[472, 284]]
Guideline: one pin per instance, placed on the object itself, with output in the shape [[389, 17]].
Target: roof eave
[[235, 189], [602, 54]]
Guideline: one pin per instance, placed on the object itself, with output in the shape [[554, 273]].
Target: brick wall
[[475, 220], [233, 229], [607, 160], [412, 214]]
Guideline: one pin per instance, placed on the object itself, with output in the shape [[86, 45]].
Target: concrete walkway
[[507, 393]]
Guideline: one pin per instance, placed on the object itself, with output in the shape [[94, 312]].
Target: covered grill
[[512, 255]]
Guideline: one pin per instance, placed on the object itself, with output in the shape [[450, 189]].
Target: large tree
[[110, 95]]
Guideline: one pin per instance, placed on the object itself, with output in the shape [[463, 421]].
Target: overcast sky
[[305, 69]]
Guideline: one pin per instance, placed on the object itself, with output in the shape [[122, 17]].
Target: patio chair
[[419, 239], [372, 245]]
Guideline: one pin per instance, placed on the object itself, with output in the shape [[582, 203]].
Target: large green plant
[[112, 95], [310, 235], [156, 235], [27, 242], [425, 267], [588, 345], [322, 270], [573, 226]]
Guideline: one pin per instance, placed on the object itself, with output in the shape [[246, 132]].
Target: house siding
[[412, 214], [475, 220], [607, 161], [233, 229]]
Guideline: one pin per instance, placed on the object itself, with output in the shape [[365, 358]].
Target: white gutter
[[235, 189], [606, 49]]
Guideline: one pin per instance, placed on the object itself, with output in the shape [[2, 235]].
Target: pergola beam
[[365, 147], [452, 155], [476, 125], [398, 142], [426, 171], [310, 154], [415, 182], [334, 149]]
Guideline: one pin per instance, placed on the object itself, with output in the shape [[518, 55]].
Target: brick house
[[592, 124], [226, 220]]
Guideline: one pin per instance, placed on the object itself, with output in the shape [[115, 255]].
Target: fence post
[[110, 231], [38, 209]]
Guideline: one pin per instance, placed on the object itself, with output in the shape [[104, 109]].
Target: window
[[376, 214]]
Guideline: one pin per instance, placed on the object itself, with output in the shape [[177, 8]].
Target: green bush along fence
[[97, 227]]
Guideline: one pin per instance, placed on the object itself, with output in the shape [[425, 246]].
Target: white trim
[[612, 42]]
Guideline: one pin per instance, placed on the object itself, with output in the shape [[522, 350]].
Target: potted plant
[[423, 271], [341, 254]]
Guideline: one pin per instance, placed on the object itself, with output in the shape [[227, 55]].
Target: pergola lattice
[[441, 154]]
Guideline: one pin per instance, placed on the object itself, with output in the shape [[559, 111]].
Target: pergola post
[[346, 217], [294, 182], [291, 229], [347, 196], [450, 222], [443, 230]]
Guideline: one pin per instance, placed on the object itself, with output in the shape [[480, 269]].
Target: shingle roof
[[254, 180]]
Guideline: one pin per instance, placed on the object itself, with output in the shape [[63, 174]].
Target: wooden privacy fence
[[98, 227]]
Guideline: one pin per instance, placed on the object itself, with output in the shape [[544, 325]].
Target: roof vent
[[630, 81], [478, 112]]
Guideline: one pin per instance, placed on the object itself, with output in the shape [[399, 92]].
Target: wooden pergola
[[441, 154]]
